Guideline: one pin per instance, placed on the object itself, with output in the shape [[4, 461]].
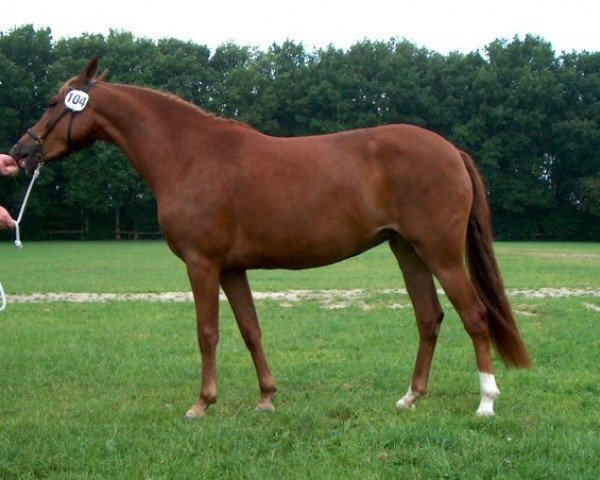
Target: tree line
[[529, 116]]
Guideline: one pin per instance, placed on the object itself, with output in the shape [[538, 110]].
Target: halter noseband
[[39, 139]]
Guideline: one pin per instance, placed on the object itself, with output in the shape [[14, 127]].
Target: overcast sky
[[443, 26]]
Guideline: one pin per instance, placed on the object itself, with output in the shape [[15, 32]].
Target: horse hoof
[[190, 418], [485, 412], [408, 401], [195, 413], [402, 404], [262, 408]]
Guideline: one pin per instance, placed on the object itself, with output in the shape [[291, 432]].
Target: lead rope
[[18, 243], [3, 306]]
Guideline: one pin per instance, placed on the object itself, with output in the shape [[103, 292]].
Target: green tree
[[574, 167], [518, 99], [530, 118], [183, 69], [227, 58], [25, 57]]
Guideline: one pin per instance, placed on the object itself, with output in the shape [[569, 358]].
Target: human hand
[[6, 221], [8, 165]]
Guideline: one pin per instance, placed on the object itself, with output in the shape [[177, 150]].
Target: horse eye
[[51, 105]]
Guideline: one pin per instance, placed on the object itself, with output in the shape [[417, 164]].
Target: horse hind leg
[[473, 313], [428, 314], [236, 288]]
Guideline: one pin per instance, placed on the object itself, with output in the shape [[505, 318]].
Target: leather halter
[[39, 139]]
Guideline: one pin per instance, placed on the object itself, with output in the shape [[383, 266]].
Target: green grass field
[[98, 390], [151, 267]]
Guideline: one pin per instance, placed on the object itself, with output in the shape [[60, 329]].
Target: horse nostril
[[15, 150]]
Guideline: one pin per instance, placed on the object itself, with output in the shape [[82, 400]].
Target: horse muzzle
[[27, 156]]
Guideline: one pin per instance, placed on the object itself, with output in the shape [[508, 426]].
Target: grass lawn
[[130, 267], [94, 391]]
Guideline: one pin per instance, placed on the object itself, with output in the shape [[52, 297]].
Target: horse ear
[[89, 71]]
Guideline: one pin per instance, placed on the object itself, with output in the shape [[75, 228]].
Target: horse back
[[309, 201]]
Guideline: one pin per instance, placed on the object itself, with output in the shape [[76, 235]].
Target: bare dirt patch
[[583, 256], [328, 299], [591, 306], [553, 292]]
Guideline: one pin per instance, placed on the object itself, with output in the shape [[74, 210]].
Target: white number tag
[[76, 100]]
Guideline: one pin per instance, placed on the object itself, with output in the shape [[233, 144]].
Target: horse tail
[[486, 277]]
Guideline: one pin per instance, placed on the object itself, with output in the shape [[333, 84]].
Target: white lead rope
[[18, 243], [3, 305]]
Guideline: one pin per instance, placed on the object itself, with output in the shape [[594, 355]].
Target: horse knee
[[429, 326], [208, 338]]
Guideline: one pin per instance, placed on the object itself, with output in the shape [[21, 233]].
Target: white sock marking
[[489, 393], [407, 402]]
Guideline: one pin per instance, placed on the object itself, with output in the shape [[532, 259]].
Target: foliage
[[527, 115]]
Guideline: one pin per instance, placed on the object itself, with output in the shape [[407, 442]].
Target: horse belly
[[297, 254], [296, 236]]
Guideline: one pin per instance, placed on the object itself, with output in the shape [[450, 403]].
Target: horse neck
[[146, 126]]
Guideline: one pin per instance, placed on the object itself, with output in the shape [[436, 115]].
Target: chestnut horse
[[231, 199]]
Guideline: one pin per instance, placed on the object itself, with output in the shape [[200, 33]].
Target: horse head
[[65, 126]]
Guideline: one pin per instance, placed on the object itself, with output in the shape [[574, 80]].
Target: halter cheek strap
[[86, 89], [69, 130]]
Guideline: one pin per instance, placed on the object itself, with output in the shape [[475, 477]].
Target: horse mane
[[66, 85], [187, 104], [169, 96]]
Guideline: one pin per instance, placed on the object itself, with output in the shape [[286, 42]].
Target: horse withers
[[231, 198]]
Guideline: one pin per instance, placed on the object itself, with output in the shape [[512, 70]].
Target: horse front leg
[[236, 288], [204, 279]]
